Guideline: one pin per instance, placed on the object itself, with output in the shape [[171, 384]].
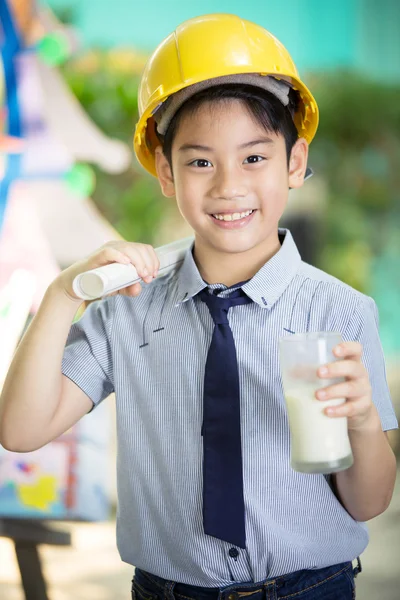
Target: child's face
[[224, 163]]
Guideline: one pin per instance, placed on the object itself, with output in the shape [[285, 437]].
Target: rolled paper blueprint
[[115, 276]]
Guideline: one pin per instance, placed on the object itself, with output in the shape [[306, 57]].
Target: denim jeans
[[331, 583]]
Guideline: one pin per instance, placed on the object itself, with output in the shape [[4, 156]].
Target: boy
[[208, 504]]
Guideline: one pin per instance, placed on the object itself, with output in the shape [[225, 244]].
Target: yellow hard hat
[[210, 47]]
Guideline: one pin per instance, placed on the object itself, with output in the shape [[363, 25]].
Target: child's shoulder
[[329, 304], [331, 287]]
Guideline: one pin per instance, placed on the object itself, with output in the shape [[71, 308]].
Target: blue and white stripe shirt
[[151, 351]]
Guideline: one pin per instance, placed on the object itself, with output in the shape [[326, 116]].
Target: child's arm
[[366, 488], [38, 403]]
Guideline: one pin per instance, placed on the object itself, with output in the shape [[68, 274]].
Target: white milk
[[315, 437]]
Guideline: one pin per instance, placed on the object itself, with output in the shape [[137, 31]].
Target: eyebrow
[[265, 140], [186, 147], [250, 144]]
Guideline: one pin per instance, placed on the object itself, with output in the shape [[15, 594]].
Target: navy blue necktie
[[223, 502]]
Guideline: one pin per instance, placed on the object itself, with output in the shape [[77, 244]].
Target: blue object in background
[[385, 289], [10, 48]]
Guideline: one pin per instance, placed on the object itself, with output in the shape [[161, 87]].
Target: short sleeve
[[87, 359], [363, 327]]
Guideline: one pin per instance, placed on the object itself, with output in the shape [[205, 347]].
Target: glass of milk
[[319, 444]]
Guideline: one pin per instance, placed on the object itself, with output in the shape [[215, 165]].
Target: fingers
[[353, 408], [353, 388], [342, 368], [348, 350], [106, 255], [152, 263], [142, 257]]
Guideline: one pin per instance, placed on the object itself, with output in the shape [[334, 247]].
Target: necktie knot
[[219, 307]]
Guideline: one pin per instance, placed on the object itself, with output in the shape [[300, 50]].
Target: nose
[[228, 184]]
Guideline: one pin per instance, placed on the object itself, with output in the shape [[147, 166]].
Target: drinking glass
[[319, 444]]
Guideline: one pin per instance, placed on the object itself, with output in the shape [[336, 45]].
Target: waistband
[[237, 590]]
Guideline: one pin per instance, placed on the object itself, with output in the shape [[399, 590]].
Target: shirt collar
[[190, 282], [267, 285]]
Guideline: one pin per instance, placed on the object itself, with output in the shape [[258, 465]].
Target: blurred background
[[69, 182]]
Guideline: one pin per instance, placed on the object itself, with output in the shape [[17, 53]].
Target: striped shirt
[[151, 351]]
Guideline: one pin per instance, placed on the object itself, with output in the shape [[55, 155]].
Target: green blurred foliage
[[357, 151], [106, 85]]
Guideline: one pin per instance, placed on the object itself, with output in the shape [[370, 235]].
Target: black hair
[[263, 106]]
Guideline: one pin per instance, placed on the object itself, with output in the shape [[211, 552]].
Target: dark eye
[[254, 158], [201, 163]]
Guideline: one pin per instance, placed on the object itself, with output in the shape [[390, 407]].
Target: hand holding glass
[[319, 444]]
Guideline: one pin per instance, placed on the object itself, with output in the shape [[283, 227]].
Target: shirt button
[[233, 552], [232, 597]]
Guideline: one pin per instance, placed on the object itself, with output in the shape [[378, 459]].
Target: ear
[[298, 163], [164, 173]]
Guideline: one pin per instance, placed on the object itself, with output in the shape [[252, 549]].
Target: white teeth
[[234, 216]]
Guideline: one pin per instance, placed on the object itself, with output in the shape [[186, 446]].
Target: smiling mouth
[[236, 216]]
